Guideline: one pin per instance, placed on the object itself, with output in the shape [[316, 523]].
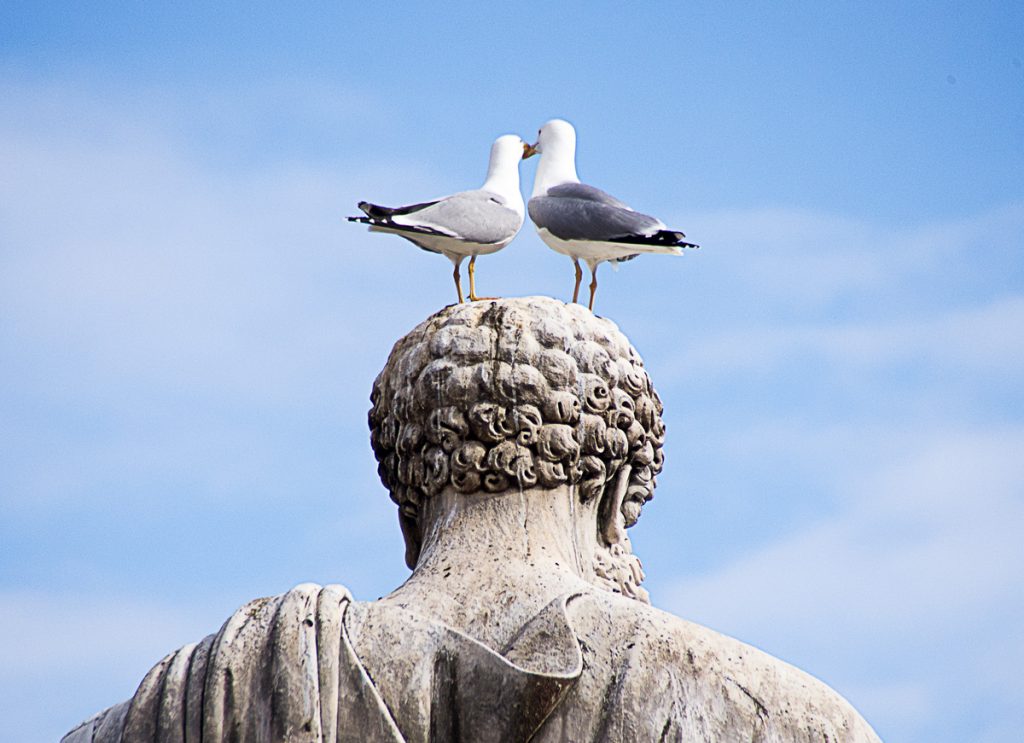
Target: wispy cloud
[[134, 267], [798, 260], [190, 337], [59, 631], [925, 549], [870, 372], [85, 648], [982, 338]]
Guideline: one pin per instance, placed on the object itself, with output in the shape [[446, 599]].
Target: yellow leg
[[593, 287], [579, 278], [472, 282], [458, 282], [472, 279]]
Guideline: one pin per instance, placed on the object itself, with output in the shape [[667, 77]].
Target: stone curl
[[510, 394]]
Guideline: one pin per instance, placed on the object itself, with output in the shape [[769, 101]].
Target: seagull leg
[[472, 282], [593, 286], [458, 281], [579, 278], [472, 279]]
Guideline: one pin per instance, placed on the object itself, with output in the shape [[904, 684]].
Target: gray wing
[[588, 193], [576, 211], [474, 216]]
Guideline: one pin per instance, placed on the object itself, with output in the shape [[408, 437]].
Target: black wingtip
[[664, 238], [372, 211], [376, 211], [677, 239]]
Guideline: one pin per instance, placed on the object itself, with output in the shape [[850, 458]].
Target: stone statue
[[520, 439]]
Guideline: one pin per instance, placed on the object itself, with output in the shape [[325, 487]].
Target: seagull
[[468, 223], [581, 221]]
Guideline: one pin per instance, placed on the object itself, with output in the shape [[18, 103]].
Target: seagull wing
[[473, 216], [376, 211], [576, 211]]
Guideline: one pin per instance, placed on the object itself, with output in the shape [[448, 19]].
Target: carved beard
[[618, 570]]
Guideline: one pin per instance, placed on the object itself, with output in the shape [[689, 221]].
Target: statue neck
[[479, 551], [537, 526]]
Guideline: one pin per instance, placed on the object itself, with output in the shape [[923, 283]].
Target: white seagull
[[468, 223], [581, 221]]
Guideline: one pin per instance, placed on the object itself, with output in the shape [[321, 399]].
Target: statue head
[[503, 396]]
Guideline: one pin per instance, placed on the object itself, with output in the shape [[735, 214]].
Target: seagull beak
[[529, 150]]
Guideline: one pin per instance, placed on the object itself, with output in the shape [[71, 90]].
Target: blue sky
[[189, 330]]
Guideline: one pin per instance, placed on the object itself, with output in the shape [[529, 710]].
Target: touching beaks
[[529, 150]]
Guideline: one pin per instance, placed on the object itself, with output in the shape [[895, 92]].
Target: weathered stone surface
[[520, 439], [497, 396]]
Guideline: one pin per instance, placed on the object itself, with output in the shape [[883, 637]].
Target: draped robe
[[588, 667]]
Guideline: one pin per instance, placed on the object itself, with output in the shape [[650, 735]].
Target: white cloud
[[925, 552], [182, 306], [802, 259], [51, 633], [904, 701], [161, 312], [127, 259], [983, 338], [954, 502], [896, 383], [65, 655], [790, 254]]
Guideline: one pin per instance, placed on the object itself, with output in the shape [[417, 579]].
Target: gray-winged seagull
[[581, 221], [468, 223]]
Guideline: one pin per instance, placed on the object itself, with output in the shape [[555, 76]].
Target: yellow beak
[[529, 150]]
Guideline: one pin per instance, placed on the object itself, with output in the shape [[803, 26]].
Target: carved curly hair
[[499, 395]]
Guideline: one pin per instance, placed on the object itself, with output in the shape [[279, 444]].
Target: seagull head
[[555, 136], [503, 168], [556, 143], [506, 153]]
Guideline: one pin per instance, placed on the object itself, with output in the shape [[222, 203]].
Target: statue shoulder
[[704, 685], [199, 687]]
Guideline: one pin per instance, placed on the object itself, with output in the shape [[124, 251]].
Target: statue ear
[[611, 523], [413, 536]]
